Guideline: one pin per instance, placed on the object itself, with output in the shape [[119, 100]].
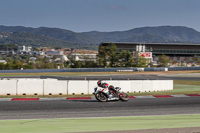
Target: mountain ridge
[[68, 38], [172, 33]]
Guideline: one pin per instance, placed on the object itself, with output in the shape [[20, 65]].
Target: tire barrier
[[77, 87]]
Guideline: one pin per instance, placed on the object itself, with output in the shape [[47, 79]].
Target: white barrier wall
[[30, 87], [77, 87], [147, 85], [91, 86], [170, 84], [8, 87], [126, 86], [157, 85], [55, 87], [137, 86]]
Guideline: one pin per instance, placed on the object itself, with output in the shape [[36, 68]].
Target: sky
[[100, 15]]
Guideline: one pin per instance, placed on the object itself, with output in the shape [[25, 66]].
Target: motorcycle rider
[[105, 85], [101, 84]]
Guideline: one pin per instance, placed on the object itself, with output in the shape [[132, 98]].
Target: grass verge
[[99, 124], [96, 73]]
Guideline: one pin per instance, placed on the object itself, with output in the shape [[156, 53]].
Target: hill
[[57, 33], [165, 33], [45, 36], [24, 38], [146, 38]]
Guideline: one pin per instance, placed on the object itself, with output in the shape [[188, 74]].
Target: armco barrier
[[75, 87], [129, 69], [182, 68]]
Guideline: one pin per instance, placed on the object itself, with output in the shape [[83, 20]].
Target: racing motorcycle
[[106, 94]]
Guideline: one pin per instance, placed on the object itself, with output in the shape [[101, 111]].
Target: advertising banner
[[147, 55]]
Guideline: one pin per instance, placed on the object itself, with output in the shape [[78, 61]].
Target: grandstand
[[179, 54]]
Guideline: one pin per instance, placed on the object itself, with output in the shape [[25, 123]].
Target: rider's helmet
[[99, 83]]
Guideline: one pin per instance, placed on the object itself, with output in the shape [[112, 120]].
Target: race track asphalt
[[92, 108]]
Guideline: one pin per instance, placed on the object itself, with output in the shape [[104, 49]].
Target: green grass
[[95, 73], [99, 124], [186, 82], [178, 90], [40, 74]]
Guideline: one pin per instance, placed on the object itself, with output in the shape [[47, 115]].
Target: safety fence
[[125, 69], [74, 87]]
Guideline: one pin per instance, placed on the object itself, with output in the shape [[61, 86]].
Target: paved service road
[[93, 108], [125, 77], [116, 77]]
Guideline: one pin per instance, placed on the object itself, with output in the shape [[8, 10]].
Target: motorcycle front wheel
[[101, 97], [123, 96]]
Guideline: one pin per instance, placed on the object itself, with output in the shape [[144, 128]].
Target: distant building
[[4, 52], [24, 49], [83, 57], [3, 61], [37, 53], [64, 58], [7, 52], [54, 52], [33, 59]]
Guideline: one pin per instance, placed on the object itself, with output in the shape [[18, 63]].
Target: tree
[[8, 47], [77, 64], [108, 56], [122, 59], [129, 59], [35, 49], [196, 59], [103, 56], [125, 59], [140, 61], [49, 65], [17, 64], [113, 58], [9, 65], [2, 66], [9, 59], [163, 60]]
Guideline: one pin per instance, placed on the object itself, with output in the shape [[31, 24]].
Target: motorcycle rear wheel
[[123, 96], [101, 97]]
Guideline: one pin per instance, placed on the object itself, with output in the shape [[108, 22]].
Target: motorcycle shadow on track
[[95, 101], [90, 101]]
